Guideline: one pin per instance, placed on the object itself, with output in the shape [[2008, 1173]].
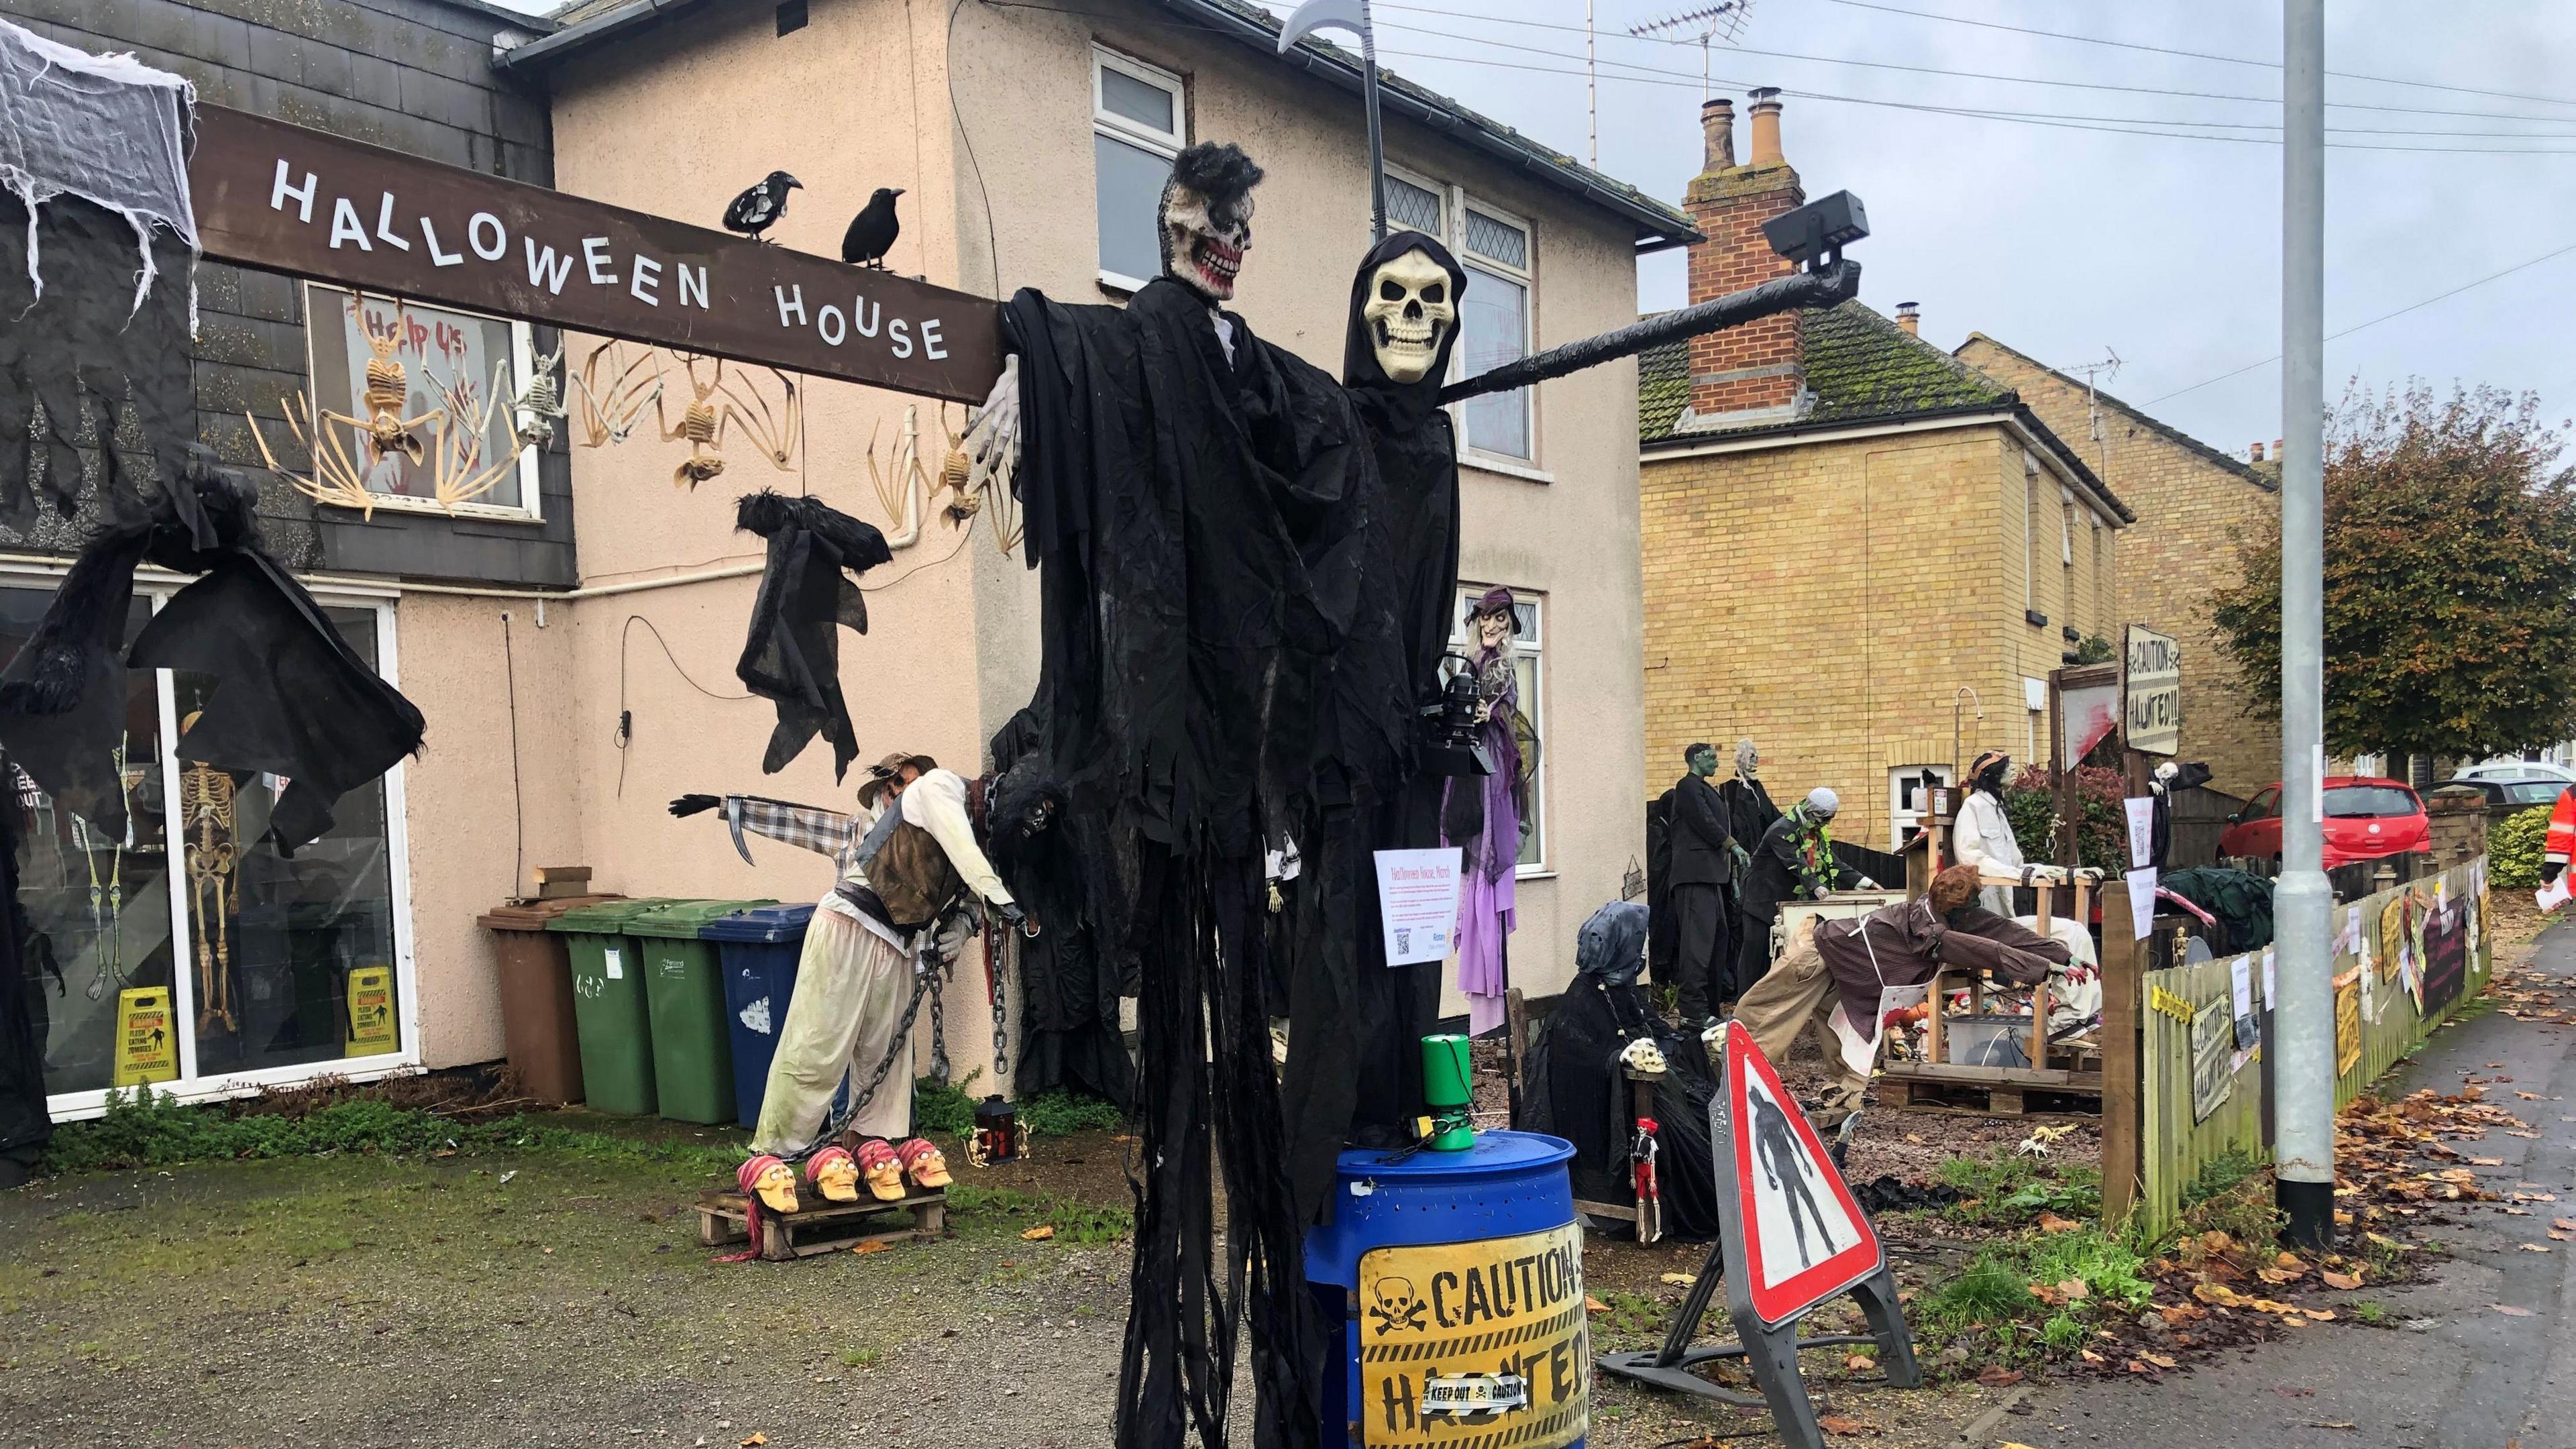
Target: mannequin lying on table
[[1852, 961]]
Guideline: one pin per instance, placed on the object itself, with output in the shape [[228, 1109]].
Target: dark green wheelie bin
[[610, 1015], [684, 987]]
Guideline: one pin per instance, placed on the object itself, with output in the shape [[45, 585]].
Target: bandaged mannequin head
[[1821, 805], [1411, 308], [1748, 760], [1206, 218], [1988, 772]]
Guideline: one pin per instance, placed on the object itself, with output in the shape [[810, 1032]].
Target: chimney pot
[[2277, 451], [1766, 128], [2258, 452], [1909, 315], [1717, 135]]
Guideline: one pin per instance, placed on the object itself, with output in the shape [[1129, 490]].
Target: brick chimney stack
[[1753, 373], [1909, 315]]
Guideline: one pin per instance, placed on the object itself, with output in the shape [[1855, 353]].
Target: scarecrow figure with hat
[[909, 874]]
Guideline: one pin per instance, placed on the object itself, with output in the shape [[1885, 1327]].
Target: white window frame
[[523, 361], [1460, 199], [188, 1086], [1106, 122], [1898, 816], [1531, 642], [1448, 197]]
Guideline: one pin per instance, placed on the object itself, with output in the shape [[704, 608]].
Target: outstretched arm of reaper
[[1826, 286], [810, 827]]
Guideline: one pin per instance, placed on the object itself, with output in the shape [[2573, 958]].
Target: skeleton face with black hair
[[1206, 219]]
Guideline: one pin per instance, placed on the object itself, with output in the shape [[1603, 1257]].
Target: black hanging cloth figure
[[291, 698], [1070, 980], [807, 593]]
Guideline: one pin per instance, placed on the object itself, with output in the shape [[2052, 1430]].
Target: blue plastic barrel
[[759, 949], [1456, 1282]]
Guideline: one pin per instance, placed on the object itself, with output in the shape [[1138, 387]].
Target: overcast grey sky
[[2071, 242]]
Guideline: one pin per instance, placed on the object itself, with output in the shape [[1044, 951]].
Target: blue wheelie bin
[[758, 949]]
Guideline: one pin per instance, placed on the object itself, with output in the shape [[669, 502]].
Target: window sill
[[2037, 619], [428, 507], [1533, 872], [1119, 284], [1508, 468]]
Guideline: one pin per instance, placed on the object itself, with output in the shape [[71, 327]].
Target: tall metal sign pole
[[2303, 1017]]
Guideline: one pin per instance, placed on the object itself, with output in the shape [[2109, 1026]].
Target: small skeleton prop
[[719, 405], [906, 489], [1410, 309], [540, 404], [449, 437], [206, 821]]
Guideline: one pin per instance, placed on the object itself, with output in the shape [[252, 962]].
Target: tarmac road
[[2454, 1370]]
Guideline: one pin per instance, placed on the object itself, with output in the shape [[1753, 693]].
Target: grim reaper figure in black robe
[[1247, 575], [1222, 674]]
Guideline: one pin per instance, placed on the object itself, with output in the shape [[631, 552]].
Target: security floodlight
[[1815, 234]]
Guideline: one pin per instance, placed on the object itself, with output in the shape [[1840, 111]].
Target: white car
[[2517, 782]]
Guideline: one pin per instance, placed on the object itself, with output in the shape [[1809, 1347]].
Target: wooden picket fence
[[2404, 960]]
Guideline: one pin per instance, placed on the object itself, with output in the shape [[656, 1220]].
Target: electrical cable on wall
[[625, 715], [518, 807]]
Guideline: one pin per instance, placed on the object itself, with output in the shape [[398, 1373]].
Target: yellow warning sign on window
[[1476, 1345], [147, 1039], [371, 1010]]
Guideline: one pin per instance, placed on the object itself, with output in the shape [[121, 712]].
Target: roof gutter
[[2015, 418], [1656, 232], [543, 54]]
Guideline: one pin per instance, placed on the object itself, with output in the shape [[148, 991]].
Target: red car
[[2366, 818]]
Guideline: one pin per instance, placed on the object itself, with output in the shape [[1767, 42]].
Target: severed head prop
[[1411, 308], [1206, 218]]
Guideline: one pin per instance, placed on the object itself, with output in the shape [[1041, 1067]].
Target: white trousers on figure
[[851, 986]]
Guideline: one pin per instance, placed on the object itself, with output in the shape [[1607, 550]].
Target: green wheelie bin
[[684, 984], [610, 1017]]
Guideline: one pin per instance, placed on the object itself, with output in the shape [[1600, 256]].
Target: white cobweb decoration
[[106, 128]]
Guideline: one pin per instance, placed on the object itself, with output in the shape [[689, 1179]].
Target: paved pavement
[[2461, 1372]]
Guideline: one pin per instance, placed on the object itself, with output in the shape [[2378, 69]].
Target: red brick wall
[[1729, 207]]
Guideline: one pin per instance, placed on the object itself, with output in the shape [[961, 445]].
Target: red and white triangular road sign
[[1801, 1237]]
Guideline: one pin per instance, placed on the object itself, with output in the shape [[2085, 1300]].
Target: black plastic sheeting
[[1573, 1087]]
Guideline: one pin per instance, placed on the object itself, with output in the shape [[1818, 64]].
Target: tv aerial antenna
[[1724, 20], [2094, 375]]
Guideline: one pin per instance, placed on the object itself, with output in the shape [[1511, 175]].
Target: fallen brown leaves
[[2380, 1146]]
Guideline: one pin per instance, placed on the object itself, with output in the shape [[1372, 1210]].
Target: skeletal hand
[[993, 435]]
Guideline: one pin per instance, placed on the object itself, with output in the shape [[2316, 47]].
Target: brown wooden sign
[[292, 200]]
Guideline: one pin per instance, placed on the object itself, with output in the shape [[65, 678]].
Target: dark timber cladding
[[314, 205]]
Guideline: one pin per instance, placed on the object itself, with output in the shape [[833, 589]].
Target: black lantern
[[1454, 748]]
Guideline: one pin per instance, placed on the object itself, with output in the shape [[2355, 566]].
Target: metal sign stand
[[1769, 1346]]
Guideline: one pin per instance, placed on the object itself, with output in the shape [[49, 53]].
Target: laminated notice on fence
[[2213, 1063], [1417, 901], [147, 1041], [1454, 1336], [2347, 998], [2142, 829], [2142, 902]]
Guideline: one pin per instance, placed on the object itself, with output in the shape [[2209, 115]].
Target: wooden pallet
[[821, 1226], [1987, 1091]]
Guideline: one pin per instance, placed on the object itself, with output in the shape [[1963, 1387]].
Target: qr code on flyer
[[1403, 940]]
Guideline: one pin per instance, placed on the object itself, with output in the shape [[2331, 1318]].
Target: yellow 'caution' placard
[[147, 1039], [371, 1010], [1476, 1345]]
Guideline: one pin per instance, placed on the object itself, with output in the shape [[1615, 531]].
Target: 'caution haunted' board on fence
[[1476, 1345]]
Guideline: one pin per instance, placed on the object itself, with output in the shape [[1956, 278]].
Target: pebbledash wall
[[415, 588]]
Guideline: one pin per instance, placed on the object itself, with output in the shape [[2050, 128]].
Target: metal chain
[[938, 1024], [997, 964]]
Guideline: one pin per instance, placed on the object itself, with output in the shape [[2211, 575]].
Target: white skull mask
[[1202, 248], [1410, 309]]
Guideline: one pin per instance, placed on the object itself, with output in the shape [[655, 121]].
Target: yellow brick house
[[2194, 501], [1843, 527]]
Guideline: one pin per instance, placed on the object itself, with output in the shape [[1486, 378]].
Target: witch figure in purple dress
[[1488, 817]]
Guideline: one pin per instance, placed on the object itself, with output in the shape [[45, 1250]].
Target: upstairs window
[[1495, 327], [1139, 123]]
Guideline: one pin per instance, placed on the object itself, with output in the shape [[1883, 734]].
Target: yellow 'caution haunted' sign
[[147, 1040], [1476, 1345], [371, 1010]]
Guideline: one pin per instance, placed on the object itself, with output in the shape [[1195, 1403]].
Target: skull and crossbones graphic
[[1396, 1306]]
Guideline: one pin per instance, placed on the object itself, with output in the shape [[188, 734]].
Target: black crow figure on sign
[[757, 210], [873, 230]]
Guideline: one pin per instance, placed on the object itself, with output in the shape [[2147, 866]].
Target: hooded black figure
[[792, 656]]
